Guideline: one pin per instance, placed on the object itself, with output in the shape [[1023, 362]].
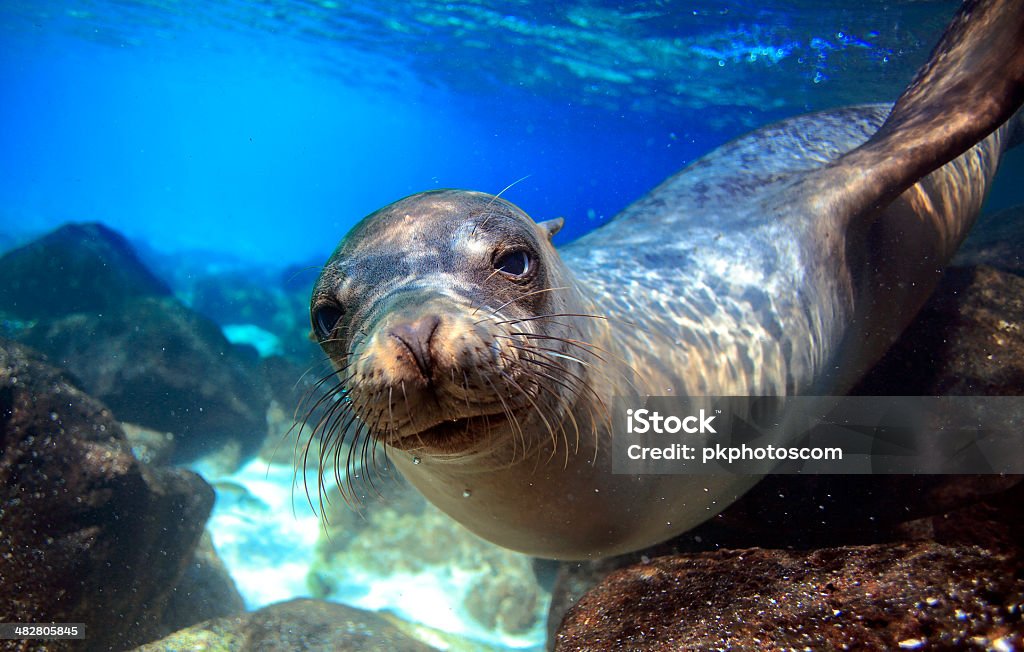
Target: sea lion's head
[[448, 317]]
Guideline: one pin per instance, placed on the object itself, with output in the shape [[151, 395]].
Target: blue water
[[265, 130], [261, 132]]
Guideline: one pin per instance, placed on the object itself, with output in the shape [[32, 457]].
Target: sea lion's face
[[440, 314]]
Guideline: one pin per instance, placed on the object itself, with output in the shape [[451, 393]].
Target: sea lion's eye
[[325, 319], [514, 263]]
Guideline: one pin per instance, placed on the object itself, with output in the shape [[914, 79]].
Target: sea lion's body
[[751, 272], [745, 286], [714, 285]]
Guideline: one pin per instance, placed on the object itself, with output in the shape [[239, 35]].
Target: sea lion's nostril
[[417, 336]]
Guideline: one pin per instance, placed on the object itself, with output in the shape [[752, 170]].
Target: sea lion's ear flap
[[552, 226]]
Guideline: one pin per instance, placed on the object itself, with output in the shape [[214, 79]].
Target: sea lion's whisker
[[506, 410], [570, 407], [581, 380], [509, 379], [346, 486], [409, 413], [341, 473], [628, 323], [519, 320], [507, 188], [465, 390], [492, 200], [307, 397], [512, 419], [352, 463], [319, 426], [590, 347], [329, 395], [625, 365], [374, 443], [566, 403], [305, 373], [518, 298], [491, 294], [553, 352], [305, 457], [332, 445], [364, 462], [391, 413], [370, 449], [291, 278], [582, 384], [575, 389]]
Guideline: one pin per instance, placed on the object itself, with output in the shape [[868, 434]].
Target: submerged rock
[[205, 591], [156, 363], [89, 303], [88, 534], [967, 340], [77, 268], [996, 240], [294, 625], [883, 597]]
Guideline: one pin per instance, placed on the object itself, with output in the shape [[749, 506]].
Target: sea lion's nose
[[416, 336]]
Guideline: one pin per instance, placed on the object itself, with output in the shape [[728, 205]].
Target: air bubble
[[416, 460], [466, 493]]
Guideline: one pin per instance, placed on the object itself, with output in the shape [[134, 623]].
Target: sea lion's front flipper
[[973, 83]]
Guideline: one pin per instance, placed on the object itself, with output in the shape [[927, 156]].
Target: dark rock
[[953, 510], [996, 240], [967, 340], [294, 625], [89, 534], [205, 591], [156, 363], [883, 597], [77, 268]]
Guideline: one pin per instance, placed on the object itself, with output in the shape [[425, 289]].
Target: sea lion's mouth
[[453, 434]]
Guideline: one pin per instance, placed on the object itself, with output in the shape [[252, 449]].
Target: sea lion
[[785, 262]]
